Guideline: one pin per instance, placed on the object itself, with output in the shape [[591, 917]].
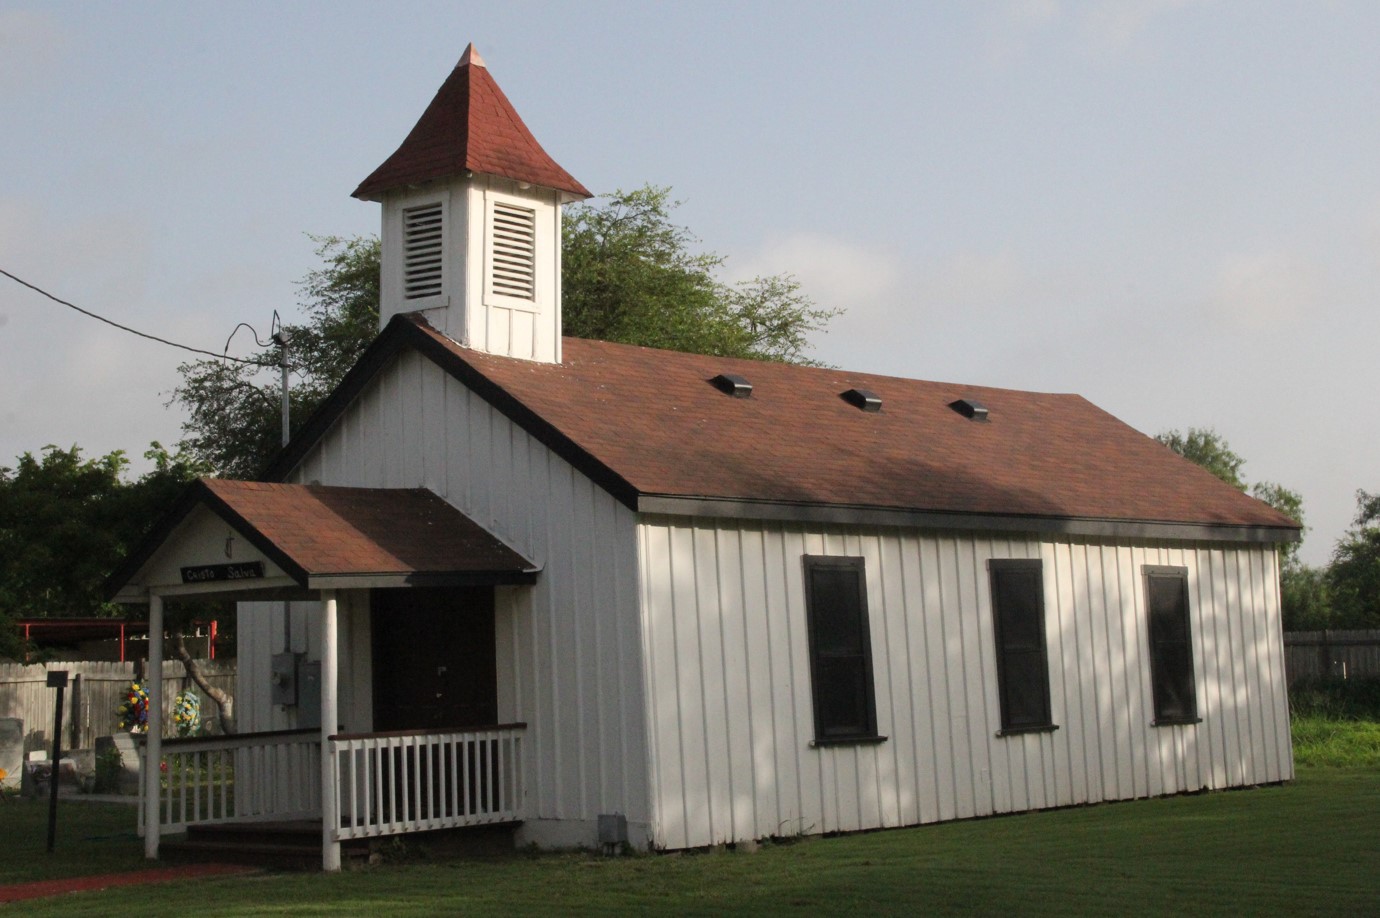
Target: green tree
[[1305, 596], [1290, 503], [66, 521], [234, 410], [1207, 448], [629, 274], [1303, 590], [1354, 575]]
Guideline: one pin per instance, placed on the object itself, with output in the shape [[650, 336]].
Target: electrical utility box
[[283, 674]]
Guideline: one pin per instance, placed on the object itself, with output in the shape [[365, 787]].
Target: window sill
[[848, 741], [1176, 721], [1021, 731]]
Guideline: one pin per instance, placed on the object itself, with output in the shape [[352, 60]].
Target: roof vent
[[862, 398], [970, 408], [730, 384]]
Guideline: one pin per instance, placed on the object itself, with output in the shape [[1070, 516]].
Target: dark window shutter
[[840, 648], [1018, 615], [1171, 645]]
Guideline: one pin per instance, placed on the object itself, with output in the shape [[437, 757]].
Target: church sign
[[207, 573]]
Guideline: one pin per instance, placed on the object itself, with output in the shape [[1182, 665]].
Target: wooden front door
[[434, 664]]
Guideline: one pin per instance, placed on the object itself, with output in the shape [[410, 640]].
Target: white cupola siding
[[479, 256], [472, 222]]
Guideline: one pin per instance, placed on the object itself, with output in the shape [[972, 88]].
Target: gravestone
[[12, 750], [128, 776]]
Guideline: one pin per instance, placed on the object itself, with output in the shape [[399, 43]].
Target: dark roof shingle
[[656, 422], [470, 126]]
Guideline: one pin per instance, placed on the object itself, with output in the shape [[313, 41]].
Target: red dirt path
[[20, 891]]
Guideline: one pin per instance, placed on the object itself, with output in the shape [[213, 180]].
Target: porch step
[[280, 845]]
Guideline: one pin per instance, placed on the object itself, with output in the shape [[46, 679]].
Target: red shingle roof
[[469, 126], [317, 534], [652, 419], [332, 531]]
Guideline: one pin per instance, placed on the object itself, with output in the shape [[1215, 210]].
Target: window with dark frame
[[1018, 617], [1171, 646], [840, 650]]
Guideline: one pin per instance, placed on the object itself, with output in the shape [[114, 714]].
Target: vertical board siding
[[573, 648], [728, 674]]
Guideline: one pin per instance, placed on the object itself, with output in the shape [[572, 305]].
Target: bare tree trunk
[[225, 702]]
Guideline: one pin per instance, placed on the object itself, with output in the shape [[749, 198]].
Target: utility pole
[[281, 338]]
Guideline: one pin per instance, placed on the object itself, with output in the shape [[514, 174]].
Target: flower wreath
[[187, 713], [134, 710]]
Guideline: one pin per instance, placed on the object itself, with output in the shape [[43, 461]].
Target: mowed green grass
[[91, 838], [1311, 847]]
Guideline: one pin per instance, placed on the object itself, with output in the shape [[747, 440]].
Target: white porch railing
[[249, 777], [387, 783]]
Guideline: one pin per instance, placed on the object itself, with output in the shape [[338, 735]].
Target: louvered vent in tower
[[513, 250], [422, 251]]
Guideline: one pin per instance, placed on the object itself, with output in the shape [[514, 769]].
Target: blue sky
[[1171, 208]]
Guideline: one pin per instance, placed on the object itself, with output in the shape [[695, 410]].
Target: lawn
[[1312, 847]]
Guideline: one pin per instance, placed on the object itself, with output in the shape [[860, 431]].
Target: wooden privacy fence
[[1334, 654], [94, 691]]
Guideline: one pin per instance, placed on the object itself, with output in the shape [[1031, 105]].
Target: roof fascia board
[[920, 519], [117, 583], [116, 587], [356, 581], [256, 538], [540, 429], [402, 333], [375, 357]]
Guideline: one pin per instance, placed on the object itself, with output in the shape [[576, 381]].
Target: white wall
[[732, 720], [260, 635], [529, 330], [569, 648]]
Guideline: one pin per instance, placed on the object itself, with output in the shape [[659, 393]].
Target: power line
[[125, 328]]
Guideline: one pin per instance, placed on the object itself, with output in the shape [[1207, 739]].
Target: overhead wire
[[134, 331]]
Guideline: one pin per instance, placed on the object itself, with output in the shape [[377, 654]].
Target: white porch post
[[330, 717], [153, 748]]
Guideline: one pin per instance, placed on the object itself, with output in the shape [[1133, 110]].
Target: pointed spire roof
[[470, 126]]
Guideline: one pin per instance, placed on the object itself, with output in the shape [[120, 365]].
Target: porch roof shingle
[[324, 531], [321, 534]]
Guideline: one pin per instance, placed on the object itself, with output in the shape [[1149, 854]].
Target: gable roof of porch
[[321, 537]]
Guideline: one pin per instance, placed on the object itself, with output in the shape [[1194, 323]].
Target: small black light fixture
[[732, 385], [970, 408], [863, 399]]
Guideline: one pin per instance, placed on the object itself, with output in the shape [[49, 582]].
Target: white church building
[[603, 593]]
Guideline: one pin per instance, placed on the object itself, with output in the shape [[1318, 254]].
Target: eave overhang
[[846, 515], [296, 540]]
